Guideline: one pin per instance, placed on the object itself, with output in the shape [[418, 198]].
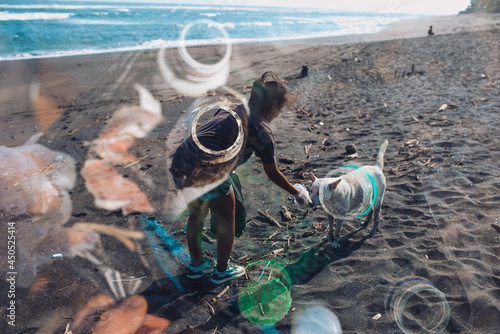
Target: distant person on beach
[[267, 99], [430, 32]]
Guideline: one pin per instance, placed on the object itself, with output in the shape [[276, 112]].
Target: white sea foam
[[64, 7], [6, 16], [85, 7], [256, 23], [223, 25], [157, 44], [148, 45], [88, 22]]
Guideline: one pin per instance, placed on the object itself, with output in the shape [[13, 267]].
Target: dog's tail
[[380, 156]]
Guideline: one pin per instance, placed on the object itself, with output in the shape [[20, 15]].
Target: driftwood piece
[[446, 106], [124, 236], [212, 311], [415, 121], [347, 157], [166, 99], [278, 251], [416, 168], [306, 149], [416, 154], [223, 292], [274, 234], [207, 239], [286, 161], [67, 330], [286, 216], [269, 218], [301, 109], [274, 239]]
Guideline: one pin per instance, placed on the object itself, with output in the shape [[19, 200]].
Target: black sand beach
[[434, 98]]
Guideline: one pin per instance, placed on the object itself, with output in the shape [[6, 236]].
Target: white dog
[[341, 196]]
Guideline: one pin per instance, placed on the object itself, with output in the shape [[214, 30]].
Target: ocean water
[[33, 29]]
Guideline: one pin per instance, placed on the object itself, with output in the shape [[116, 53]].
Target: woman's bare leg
[[224, 209], [198, 210]]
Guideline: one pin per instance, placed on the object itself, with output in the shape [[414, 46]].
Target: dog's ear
[[334, 185], [313, 178]]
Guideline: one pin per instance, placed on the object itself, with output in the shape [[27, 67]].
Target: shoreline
[[395, 30], [64, 79], [236, 41]]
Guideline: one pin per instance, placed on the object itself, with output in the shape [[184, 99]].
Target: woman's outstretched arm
[[274, 174]]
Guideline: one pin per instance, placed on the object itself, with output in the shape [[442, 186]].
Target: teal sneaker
[[206, 267], [233, 271]]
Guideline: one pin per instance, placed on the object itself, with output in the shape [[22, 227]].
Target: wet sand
[[439, 225]]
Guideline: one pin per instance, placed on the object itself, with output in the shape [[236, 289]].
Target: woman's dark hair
[[267, 89]]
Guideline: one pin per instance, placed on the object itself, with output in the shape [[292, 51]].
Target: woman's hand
[[299, 192], [302, 199]]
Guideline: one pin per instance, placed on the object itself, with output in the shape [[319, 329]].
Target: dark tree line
[[484, 6]]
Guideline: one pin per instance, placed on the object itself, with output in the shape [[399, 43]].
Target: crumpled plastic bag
[[112, 190], [125, 126], [35, 203], [34, 182]]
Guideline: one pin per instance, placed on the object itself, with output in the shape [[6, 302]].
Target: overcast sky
[[434, 7]]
